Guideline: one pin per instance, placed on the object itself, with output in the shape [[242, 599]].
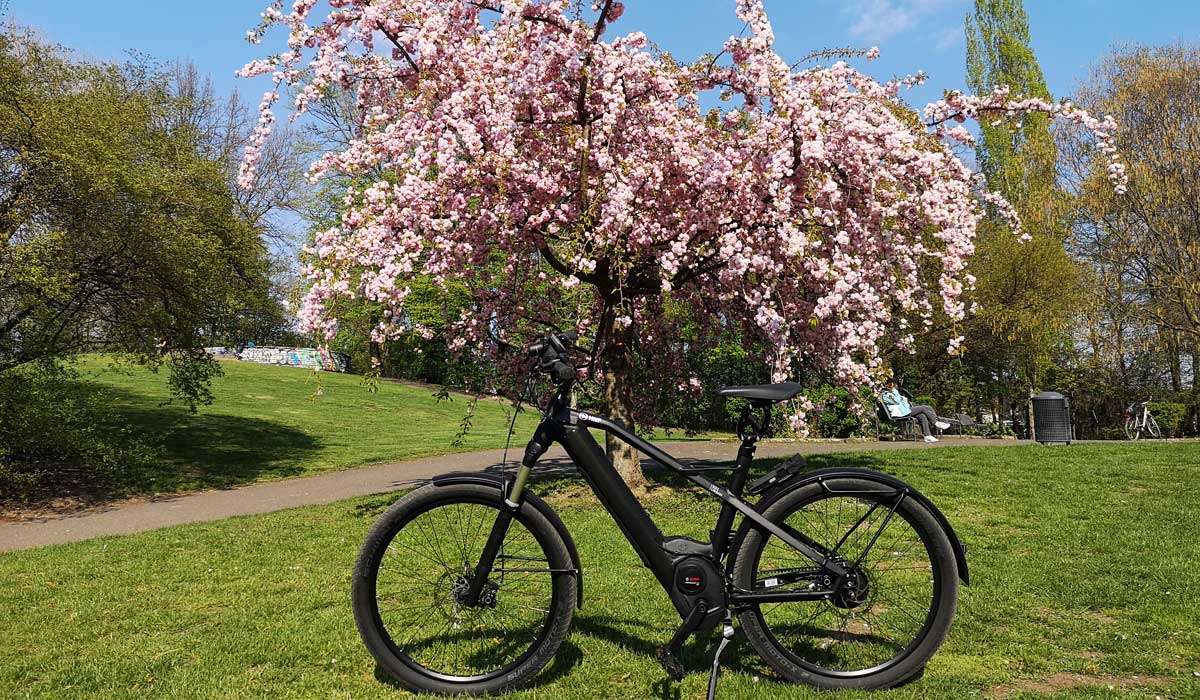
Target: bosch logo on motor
[[690, 579]]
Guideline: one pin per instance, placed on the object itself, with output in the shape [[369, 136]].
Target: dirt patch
[[570, 494], [1055, 682], [575, 493], [1101, 617], [44, 509], [68, 491]]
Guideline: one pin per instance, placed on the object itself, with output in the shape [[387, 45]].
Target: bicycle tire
[[795, 662], [479, 629]]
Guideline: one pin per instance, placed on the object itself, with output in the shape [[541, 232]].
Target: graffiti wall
[[308, 358]]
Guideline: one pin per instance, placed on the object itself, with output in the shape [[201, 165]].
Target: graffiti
[[308, 358]]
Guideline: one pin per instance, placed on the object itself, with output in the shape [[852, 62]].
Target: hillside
[[270, 422]]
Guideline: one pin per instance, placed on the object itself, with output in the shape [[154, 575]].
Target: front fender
[[503, 482], [821, 475]]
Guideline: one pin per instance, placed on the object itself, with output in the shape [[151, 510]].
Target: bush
[[925, 401], [843, 415], [836, 413], [59, 437], [1170, 416]]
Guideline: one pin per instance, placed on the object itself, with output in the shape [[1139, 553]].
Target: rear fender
[[821, 475], [503, 482]]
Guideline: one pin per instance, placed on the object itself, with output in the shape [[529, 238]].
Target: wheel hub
[[854, 590], [461, 587]]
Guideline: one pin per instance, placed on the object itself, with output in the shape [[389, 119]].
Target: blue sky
[[1068, 35]]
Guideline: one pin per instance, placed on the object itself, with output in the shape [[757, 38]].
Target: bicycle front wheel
[[881, 632], [410, 592]]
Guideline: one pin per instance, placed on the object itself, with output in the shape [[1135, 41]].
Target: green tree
[[1028, 291], [118, 233], [1145, 245]]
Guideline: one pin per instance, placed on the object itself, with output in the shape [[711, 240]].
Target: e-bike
[[839, 577]]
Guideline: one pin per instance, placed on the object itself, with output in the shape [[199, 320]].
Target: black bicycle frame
[[569, 428]]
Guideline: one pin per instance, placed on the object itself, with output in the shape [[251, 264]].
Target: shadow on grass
[[204, 449], [697, 653], [565, 659]]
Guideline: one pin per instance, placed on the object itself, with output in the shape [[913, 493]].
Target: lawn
[[268, 422], [1084, 560]]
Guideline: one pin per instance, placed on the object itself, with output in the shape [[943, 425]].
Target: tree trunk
[[375, 352], [374, 349], [1030, 428], [1175, 362], [618, 399], [1195, 392]]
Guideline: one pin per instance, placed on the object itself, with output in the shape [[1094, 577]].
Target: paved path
[[128, 517]]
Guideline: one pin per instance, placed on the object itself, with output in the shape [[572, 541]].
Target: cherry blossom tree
[[564, 174]]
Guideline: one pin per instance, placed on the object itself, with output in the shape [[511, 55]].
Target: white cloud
[[948, 38], [876, 21]]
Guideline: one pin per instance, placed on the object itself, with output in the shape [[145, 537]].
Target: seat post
[[749, 431]]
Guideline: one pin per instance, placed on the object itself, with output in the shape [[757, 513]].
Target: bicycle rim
[[841, 638], [419, 581]]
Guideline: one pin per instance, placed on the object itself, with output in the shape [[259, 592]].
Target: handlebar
[[559, 342], [551, 352]]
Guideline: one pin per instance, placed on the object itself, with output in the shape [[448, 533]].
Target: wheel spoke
[[418, 592], [876, 540]]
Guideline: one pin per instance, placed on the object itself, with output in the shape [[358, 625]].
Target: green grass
[[268, 423], [1083, 559]]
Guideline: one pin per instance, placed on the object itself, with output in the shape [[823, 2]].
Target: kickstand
[[726, 637]]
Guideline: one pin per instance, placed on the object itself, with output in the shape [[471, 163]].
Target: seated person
[[897, 406]]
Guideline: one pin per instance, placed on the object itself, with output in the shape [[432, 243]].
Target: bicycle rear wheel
[[877, 635], [1133, 431], [410, 584]]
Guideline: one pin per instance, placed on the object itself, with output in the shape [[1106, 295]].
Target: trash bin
[[1052, 418]]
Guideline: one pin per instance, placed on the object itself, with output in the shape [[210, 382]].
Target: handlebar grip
[[563, 372]]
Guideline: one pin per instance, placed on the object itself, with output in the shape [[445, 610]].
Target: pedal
[[671, 664], [667, 656]]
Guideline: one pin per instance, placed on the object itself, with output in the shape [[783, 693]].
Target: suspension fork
[[487, 560], [541, 441]]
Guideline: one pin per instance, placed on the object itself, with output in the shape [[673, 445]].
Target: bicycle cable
[[512, 424]]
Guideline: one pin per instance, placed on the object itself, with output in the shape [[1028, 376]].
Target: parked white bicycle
[[1139, 421]]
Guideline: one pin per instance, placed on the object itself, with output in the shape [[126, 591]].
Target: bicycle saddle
[[762, 392]]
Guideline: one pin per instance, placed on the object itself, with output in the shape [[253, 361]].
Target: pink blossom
[[811, 212]]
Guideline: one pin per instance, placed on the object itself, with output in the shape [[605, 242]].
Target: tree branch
[[403, 51]]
